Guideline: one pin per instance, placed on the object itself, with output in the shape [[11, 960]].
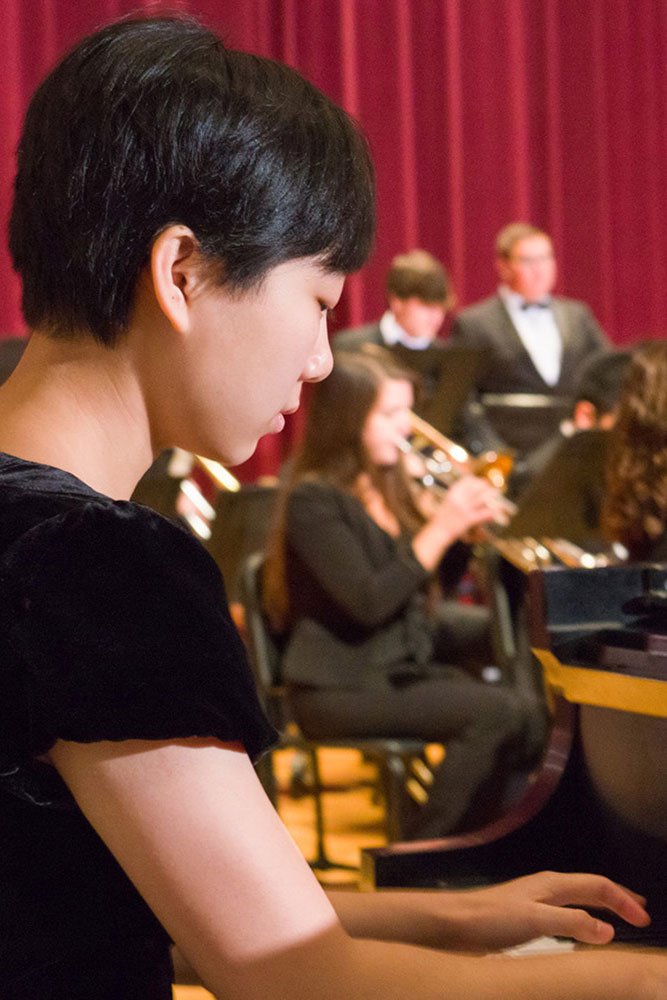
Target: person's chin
[[239, 454]]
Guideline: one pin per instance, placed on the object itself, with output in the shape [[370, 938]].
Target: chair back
[[264, 648], [239, 529]]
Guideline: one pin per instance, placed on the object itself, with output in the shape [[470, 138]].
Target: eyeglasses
[[543, 258]]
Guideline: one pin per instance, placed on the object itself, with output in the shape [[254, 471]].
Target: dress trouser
[[489, 734]]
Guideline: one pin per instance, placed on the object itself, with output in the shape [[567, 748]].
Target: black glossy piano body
[[599, 801]]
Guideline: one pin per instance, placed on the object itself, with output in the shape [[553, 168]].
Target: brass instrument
[[448, 461], [529, 554], [196, 498], [221, 476], [445, 462], [492, 465]]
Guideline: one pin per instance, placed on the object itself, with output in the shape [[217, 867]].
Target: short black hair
[[152, 121]]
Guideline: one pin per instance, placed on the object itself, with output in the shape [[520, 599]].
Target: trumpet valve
[[494, 466]]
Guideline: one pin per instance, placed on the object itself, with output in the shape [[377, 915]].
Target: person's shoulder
[[354, 337], [317, 490], [574, 306], [475, 324], [116, 616], [97, 541], [580, 317], [316, 497], [106, 520], [479, 311]]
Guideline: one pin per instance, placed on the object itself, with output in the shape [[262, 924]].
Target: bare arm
[[192, 827]]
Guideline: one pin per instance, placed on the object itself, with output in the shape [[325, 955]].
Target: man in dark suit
[[534, 342], [418, 294]]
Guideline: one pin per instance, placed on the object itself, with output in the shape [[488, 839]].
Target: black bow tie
[[535, 305]]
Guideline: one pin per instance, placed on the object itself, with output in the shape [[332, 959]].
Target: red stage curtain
[[478, 112]]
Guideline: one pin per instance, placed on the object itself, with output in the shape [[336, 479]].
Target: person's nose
[[320, 362], [403, 424]]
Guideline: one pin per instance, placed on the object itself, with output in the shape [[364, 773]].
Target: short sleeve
[[114, 626]]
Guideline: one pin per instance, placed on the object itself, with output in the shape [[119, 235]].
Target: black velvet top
[[113, 626]]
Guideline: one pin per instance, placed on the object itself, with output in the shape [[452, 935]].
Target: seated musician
[[419, 294], [595, 402], [348, 576], [634, 511], [559, 487]]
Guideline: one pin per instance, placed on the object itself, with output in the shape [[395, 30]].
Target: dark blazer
[[507, 366], [352, 339], [355, 595]]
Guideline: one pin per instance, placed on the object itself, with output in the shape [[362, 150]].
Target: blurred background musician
[[419, 295], [347, 579], [534, 342], [635, 505], [560, 484]]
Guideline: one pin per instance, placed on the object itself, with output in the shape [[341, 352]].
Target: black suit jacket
[[507, 367], [355, 595], [352, 339]]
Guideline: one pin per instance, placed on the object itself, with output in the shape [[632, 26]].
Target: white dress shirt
[[393, 333], [536, 326]]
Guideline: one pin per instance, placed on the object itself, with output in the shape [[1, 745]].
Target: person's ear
[[585, 415], [175, 274], [503, 270]]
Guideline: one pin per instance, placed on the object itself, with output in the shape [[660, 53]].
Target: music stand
[[448, 374], [241, 527], [524, 420], [564, 500]]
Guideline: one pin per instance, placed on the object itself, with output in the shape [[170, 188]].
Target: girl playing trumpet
[[369, 653]]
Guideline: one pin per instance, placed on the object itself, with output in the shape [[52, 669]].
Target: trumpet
[[443, 461], [446, 461], [492, 465]]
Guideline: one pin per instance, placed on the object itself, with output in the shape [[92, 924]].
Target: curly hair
[[635, 507]]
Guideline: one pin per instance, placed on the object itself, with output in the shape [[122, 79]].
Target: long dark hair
[[635, 506], [332, 451]]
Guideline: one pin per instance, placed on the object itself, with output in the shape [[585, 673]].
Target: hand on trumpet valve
[[494, 466], [469, 504], [414, 462]]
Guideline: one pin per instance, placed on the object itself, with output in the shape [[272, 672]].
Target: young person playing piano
[[184, 216]]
